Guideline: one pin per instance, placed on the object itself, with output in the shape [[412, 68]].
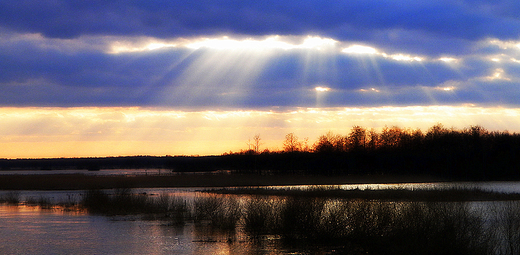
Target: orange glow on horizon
[[125, 131]]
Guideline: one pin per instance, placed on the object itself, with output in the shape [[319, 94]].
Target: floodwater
[[31, 230], [26, 229]]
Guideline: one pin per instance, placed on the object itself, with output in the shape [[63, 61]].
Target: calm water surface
[[29, 230]]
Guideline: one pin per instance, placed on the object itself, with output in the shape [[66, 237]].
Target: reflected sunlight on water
[[30, 230], [27, 230]]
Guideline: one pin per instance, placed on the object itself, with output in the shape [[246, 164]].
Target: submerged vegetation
[[351, 226], [346, 225], [11, 198]]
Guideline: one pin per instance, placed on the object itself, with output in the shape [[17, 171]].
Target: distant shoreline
[[85, 182]]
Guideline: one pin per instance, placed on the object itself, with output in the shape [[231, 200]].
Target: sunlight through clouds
[[269, 43], [224, 69], [322, 89], [498, 74], [209, 95], [370, 90], [274, 42], [225, 74], [119, 45], [359, 49], [321, 94], [225, 43], [448, 59], [365, 50], [184, 77]]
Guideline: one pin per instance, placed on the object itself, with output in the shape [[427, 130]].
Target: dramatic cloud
[[236, 56], [254, 72], [164, 19]]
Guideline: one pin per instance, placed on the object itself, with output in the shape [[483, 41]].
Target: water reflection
[[231, 224], [30, 230]]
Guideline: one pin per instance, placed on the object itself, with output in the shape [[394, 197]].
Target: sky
[[119, 78]]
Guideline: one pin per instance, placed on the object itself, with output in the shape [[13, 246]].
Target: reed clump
[[363, 226], [42, 201], [508, 232], [222, 213], [11, 198], [262, 216], [174, 209], [373, 227]]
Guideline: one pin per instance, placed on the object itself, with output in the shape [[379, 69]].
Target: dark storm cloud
[[395, 21], [70, 63]]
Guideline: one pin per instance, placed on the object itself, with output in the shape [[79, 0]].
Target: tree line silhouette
[[472, 153]]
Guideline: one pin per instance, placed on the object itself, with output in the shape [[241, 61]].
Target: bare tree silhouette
[[291, 143]]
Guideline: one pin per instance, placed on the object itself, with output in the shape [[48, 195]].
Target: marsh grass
[[178, 210], [367, 226], [351, 226], [389, 194], [11, 198], [42, 201], [301, 218], [121, 202], [509, 230], [175, 210], [262, 216], [439, 228], [373, 227], [222, 213]]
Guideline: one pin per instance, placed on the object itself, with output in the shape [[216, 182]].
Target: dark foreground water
[[29, 230]]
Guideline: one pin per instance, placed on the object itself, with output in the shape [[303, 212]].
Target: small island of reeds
[[386, 194]]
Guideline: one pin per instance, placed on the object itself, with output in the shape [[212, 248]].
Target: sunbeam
[[208, 95], [224, 71]]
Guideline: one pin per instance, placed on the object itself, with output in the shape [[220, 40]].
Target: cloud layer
[[40, 71], [270, 58], [467, 20], [173, 53]]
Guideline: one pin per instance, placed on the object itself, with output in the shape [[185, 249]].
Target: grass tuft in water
[[11, 198], [373, 227], [219, 212]]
